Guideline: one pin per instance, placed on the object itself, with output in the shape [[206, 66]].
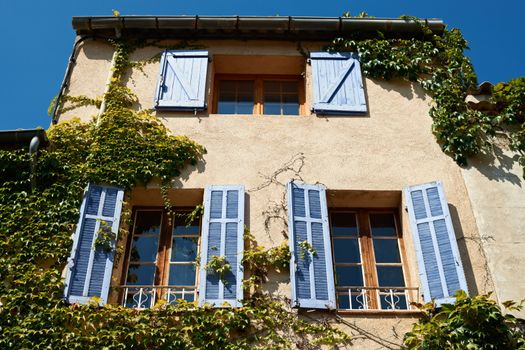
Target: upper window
[[368, 260], [161, 258], [269, 95]]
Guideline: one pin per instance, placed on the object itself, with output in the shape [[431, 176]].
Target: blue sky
[[37, 37]]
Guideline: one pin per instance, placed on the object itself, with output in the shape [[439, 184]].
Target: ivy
[[469, 323], [220, 266], [439, 64]]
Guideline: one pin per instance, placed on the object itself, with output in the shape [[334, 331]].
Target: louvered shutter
[[337, 83], [311, 273], [440, 267], [222, 235], [182, 80], [89, 267]]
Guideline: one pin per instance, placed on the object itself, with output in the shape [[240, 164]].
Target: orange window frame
[[258, 94]]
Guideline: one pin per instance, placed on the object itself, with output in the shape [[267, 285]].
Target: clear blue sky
[[37, 37]]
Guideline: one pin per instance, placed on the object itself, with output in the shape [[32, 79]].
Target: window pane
[[393, 302], [383, 225], [272, 108], [386, 251], [226, 107], [346, 250], [141, 274], [144, 248], [235, 97], [228, 86], [182, 275], [184, 249], [281, 97], [349, 276], [148, 222], [344, 224], [272, 86], [290, 87], [390, 276], [181, 226]]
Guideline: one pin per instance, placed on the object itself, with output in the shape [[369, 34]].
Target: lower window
[[161, 258], [368, 260]]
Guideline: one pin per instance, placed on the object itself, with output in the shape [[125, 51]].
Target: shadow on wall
[[496, 165], [408, 90], [466, 258], [177, 182]]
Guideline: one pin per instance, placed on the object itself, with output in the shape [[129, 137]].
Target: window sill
[[257, 115], [415, 313]]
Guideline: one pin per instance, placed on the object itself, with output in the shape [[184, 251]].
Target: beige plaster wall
[[387, 149], [496, 189]]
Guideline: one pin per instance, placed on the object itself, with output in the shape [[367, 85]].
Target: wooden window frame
[[163, 258], [367, 255], [258, 94]]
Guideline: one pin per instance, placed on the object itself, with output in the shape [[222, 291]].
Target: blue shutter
[[222, 235], [337, 83], [312, 275], [440, 267], [89, 268], [182, 80]]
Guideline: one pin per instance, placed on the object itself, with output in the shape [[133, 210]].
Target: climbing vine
[[439, 64], [469, 323], [122, 147]]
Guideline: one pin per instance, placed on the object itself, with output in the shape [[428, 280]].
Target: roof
[[13, 139], [250, 27]]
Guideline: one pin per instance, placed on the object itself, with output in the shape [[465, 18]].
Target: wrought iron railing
[[145, 297], [377, 298]]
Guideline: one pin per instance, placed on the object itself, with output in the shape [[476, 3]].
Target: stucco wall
[[387, 149], [496, 189]]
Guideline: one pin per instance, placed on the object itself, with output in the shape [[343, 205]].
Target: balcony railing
[[145, 297], [377, 298]]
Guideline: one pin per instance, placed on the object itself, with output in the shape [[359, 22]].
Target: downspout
[[67, 75], [33, 148]]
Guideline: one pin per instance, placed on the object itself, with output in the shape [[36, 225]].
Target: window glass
[[148, 222], [390, 276], [184, 249], [349, 275], [281, 97], [144, 248], [235, 97], [386, 251], [346, 250], [383, 225], [344, 224], [141, 274]]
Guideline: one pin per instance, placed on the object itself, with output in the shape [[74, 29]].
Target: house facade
[[301, 148]]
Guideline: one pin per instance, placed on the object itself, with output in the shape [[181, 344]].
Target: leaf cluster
[[469, 323]]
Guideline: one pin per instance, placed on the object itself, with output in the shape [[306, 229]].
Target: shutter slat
[[182, 80], [337, 83], [222, 235], [440, 266], [89, 268], [311, 273]]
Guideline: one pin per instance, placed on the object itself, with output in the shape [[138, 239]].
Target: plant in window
[[306, 248], [105, 237], [219, 265]]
